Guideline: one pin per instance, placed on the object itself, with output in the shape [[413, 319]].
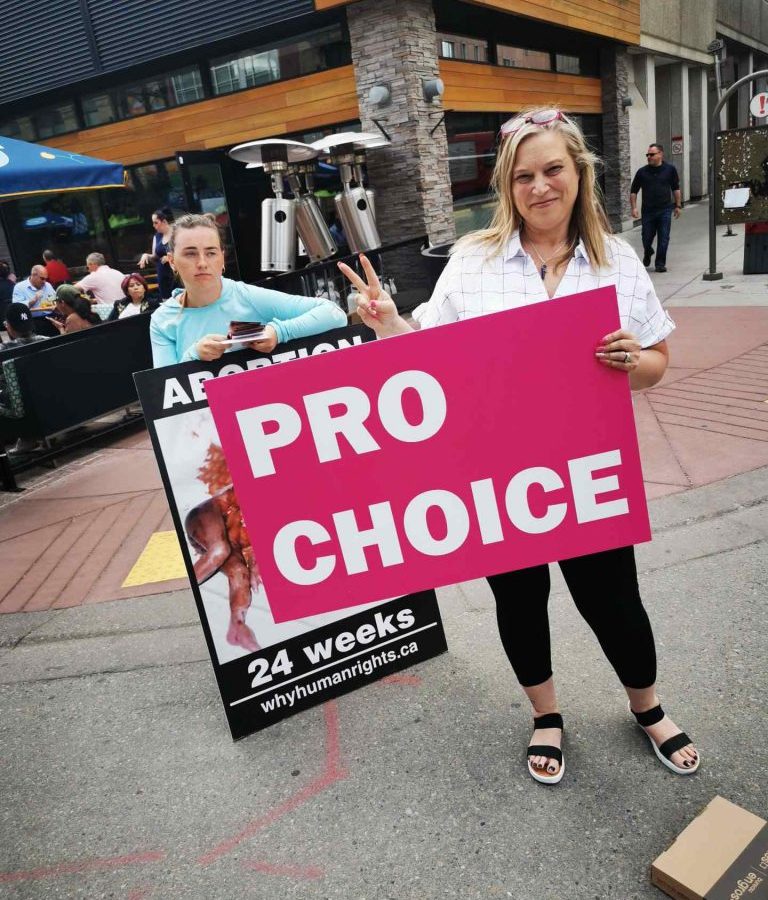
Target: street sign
[[677, 144], [758, 105]]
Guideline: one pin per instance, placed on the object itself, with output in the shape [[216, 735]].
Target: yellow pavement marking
[[160, 560]]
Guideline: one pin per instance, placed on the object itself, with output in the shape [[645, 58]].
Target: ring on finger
[[627, 357]]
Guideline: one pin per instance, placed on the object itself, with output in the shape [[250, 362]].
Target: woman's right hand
[[144, 261], [211, 347], [374, 305]]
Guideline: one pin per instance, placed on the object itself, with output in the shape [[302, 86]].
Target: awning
[[28, 169]]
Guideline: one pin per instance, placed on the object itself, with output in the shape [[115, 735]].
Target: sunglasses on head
[[544, 117]]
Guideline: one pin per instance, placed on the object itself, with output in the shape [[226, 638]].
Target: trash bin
[[755, 248], [436, 258]]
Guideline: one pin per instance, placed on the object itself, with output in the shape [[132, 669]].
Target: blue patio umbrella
[[27, 169]]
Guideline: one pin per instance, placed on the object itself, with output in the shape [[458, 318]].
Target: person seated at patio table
[[58, 273], [74, 310], [35, 291], [18, 323], [136, 298], [104, 282], [193, 323]]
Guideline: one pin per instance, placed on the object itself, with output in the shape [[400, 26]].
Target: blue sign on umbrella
[[35, 169]]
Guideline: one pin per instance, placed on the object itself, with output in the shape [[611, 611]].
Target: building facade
[[301, 69], [672, 81]]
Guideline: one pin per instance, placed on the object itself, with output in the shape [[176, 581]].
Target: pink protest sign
[[423, 460]]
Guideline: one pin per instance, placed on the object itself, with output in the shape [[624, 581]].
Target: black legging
[[604, 588]]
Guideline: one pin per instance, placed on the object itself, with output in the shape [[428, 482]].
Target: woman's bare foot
[[662, 731], [545, 765]]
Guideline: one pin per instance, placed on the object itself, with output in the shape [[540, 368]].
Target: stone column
[[614, 64], [394, 42]]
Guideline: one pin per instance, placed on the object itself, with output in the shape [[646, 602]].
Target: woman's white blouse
[[472, 285]]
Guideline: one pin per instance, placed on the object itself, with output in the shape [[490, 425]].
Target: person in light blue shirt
[[193, 323], [35, 291]]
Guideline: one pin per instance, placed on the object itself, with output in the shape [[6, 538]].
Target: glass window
[[522, 58], [471, 158], [131, 101], [187, 85], [57, 119], [98, 109], [22, 128], [323, 49], [569, 64], [162, 92], [457, 46], [70, 224], [129, 212]]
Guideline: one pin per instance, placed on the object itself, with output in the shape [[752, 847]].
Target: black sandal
[[549, 720], [670, 746]]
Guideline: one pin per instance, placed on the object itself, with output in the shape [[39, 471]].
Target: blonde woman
[[549, 238], [193, 323]]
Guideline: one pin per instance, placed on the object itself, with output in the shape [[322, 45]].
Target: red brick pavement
[[73, 539]]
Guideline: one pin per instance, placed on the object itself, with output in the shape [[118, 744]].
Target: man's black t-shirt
[[657, 184]]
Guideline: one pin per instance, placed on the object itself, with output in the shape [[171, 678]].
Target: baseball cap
[[18, 316], [68, 292]]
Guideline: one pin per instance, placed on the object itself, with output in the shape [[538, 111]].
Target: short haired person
[[136, 298], [35, 291], [58, 273], [20, 327], [549, 238], [660, 185], [102, 280]]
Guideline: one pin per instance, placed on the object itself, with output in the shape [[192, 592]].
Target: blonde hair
[[588, 220], [185, 223], [193, 220]]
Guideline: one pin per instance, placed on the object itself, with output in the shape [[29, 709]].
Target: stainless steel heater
[[354, 204], [281, 216]]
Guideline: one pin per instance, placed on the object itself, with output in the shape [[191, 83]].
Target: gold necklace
[[544, 268]]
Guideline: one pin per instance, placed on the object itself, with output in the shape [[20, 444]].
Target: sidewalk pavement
[[120, 777]]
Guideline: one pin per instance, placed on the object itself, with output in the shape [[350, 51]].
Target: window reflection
[[323, 49], [69, 224], [456, 46], [522, 57]]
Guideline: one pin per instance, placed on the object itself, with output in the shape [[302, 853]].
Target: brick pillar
[[394, 42], [614, 63]]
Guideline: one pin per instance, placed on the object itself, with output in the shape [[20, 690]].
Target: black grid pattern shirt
[[472, 284]]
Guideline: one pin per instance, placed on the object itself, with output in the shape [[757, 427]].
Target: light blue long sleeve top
[[175, 330]]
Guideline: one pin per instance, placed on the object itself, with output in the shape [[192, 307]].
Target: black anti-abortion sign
[[265, 670]]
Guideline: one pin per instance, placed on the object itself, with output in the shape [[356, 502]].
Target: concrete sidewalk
[[120, 779]]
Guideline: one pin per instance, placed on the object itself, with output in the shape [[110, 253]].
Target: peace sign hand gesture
[[374, 305]]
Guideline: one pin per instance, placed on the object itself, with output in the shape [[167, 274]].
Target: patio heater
[[281, 217], [355, 205]]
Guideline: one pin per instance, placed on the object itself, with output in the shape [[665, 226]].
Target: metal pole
[[713, 274]]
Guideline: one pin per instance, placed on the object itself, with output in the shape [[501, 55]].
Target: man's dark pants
[[657, 222]]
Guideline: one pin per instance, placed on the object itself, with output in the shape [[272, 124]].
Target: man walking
[[660, 184]]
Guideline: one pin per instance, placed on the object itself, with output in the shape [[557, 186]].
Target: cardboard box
[[721, 855]]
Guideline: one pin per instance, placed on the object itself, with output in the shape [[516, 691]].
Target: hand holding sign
[[619, 350], [374, 305]]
